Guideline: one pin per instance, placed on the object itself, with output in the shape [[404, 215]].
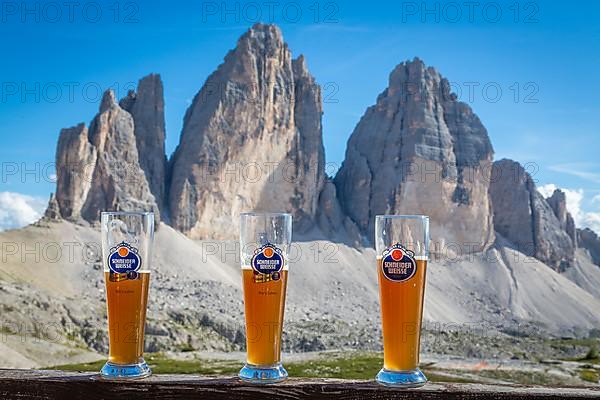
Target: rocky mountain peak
[[252, 140], [300, 68], [99, 168], [147, 108], [524, 217], [419, 151], [590, 241], [108, 101], [558, 203], [261, 36]]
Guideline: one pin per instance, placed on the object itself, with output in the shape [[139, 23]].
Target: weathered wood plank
[[21, 384]]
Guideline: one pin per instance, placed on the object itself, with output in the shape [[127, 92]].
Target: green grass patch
[[162, 365], [359, 366], [84, 367], [589, 375], [592, 357]]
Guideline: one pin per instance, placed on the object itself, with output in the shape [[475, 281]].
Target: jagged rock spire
[[147, 107], [100, 168], [524, 217], [251, 140], [419, 151]]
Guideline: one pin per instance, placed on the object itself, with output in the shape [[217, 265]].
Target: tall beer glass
[[265, 243], [127, 253], [402, 245]]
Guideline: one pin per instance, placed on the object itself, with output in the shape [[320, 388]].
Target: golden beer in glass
[[127, 239], [264, 305], [265, 240], [402, 246]]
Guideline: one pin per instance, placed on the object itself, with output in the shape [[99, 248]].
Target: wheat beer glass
[[265, 243], [126, 253], [402, 245]]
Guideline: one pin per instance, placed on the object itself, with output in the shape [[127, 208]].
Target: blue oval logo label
[[124, 259], [398, 264], [268, 259]]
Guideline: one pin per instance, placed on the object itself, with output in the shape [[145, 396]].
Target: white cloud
[[596, 199], [583, 219], [592, 221], [18, 210], [547, 190]]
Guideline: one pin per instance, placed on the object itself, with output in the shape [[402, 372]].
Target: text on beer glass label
[[267, 263], [398, 264], [123, 262]]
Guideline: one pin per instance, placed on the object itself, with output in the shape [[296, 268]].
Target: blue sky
[[541, 55]]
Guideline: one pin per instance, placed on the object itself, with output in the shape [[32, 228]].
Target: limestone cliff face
[[251, 141], [308, 153], [524, 217], [52, 212], [99, 168], [419, 151], [118, 181], [75, 163], [558, 203], [147, 107], [590, 241]]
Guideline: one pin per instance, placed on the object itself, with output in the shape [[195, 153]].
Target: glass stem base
[[125, 371], [408, 379], [263, 374]]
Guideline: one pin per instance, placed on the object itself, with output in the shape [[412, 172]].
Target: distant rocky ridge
[[252, 140], [537, 227], [558, 203], [590, 241]]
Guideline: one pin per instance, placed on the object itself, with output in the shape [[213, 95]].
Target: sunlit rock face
[[98, 169], [420, 151], [251, 141], [524, 217]]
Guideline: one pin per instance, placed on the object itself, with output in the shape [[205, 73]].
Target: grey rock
[[330, 212], [147, 108], [99, 169], [308, 152], [419, 151], [251, 141], [590, 241], [558, 202], [118, 181], [75, 163], [332, 221], [524, 217], [52, 212]]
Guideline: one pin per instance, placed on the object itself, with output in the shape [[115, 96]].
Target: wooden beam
[[32, 384]]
